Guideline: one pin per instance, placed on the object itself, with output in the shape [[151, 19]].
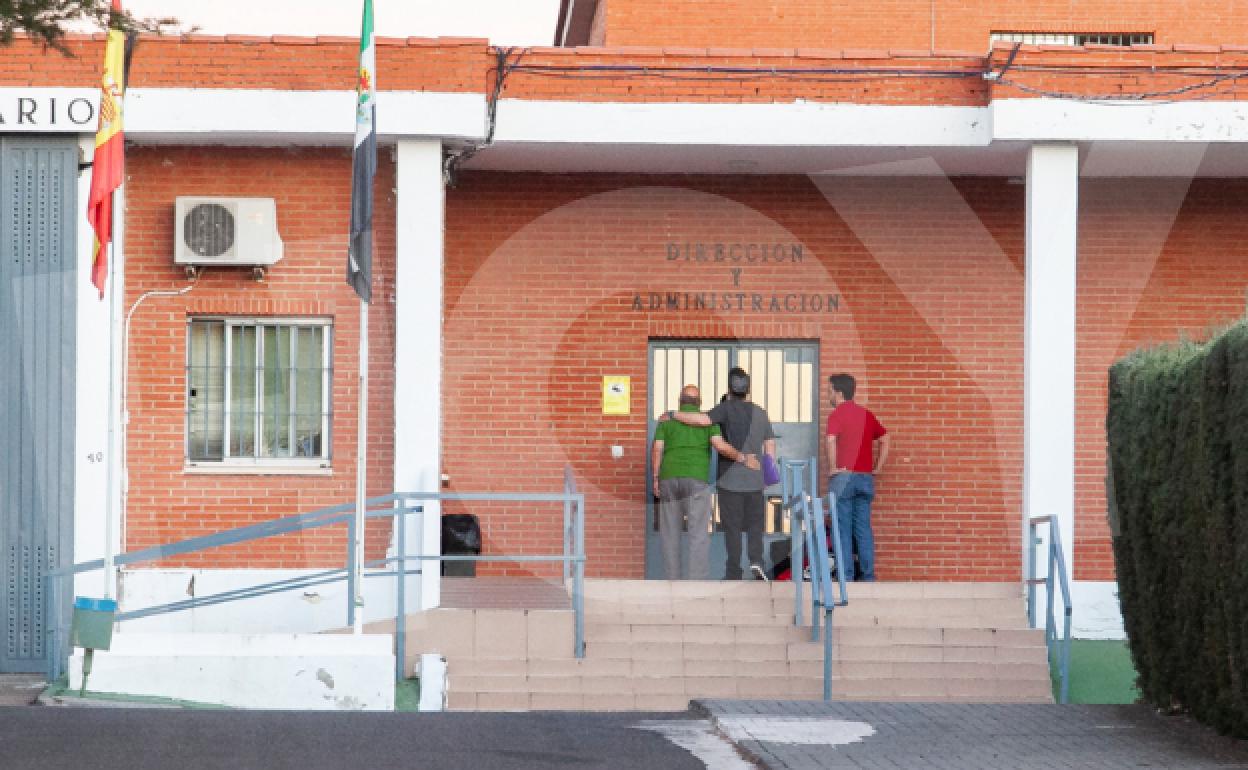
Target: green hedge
[[1178, 470]]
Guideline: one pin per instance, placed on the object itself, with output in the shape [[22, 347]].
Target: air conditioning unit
[[227, 232]]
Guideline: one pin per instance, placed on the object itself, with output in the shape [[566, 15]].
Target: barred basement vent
[[208, 230], [1074, 38]]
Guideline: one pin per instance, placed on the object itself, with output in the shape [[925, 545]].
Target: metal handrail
[[569, 487], [792, 475], [577, 522], [1056, 572], [397, 504], [795, 476], [800, 496]]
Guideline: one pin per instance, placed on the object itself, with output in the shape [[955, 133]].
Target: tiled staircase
[[655, 645]]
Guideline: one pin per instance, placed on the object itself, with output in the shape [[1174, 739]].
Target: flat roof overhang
[[1129, 139]]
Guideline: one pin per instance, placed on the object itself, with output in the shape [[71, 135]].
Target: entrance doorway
[[38, 284], [783, 380]]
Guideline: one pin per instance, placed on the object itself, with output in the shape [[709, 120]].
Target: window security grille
[[258, 391], [1074, 38]]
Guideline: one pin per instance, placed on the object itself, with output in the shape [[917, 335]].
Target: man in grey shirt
[[746, 427]]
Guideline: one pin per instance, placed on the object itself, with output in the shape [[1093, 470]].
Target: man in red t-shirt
[[853, 433]]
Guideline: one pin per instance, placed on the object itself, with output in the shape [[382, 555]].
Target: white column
[[98, 386], [1049, 338], [420, 207]]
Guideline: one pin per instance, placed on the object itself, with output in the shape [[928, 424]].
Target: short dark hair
[[738, 382], [843, 384]]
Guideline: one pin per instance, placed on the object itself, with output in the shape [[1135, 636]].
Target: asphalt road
[[170, 739]]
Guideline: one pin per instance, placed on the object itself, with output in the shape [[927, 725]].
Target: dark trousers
[[741, 512]]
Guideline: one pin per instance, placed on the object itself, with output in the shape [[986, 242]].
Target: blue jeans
[[854, 493]]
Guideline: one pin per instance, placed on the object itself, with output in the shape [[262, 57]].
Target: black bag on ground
[[461, 536]]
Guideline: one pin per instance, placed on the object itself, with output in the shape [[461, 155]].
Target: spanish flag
[[107, 169]]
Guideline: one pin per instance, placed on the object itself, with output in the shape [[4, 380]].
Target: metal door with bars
[[784, 380], [38, 290]]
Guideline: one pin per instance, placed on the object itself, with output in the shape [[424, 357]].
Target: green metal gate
[[784, 381], [38, 290]]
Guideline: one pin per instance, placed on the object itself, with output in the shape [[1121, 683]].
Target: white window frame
[[255, 462]]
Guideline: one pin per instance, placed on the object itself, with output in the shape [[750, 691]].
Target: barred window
[[1074, 38], [258, 391]]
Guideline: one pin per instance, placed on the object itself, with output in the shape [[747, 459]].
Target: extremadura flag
[[364, 165]]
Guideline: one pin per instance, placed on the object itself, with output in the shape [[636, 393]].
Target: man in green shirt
[[681, 464]]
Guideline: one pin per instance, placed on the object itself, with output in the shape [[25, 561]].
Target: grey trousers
[[685, 500]]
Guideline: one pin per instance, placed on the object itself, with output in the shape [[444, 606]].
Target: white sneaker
[[758, 573]]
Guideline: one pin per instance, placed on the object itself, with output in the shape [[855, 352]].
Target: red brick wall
[[598, 28], [541, 275], [239, 61], [1158, 261], [542, 270], [445, 65], [940, 364], [962, 25], [1184, 72], [672, 74], [889, 74], [540, 283], [312, 188]]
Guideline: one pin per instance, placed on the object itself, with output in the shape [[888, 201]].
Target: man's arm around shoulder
[[696, 419]]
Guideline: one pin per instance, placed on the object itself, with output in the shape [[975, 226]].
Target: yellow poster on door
[[616, 395]]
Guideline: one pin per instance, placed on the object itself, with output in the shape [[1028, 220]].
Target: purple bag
[[771, 473]]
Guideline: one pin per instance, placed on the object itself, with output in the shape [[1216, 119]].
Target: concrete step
[[631, 702], [609, 658], [791, 643], [460, 701], [945, 670], [731, 607], [655, 645], [701, 633], [550, 633], [860, 616], [491, 633], [657, 590], [916, 653], [763, 610], [566, 675], [617, 692]]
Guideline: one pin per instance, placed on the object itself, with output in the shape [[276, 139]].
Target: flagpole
[[112, 508], [361, 467], [360, 277], [107, 179]]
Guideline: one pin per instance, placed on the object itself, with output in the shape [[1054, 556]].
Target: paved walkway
[[909, 736]]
